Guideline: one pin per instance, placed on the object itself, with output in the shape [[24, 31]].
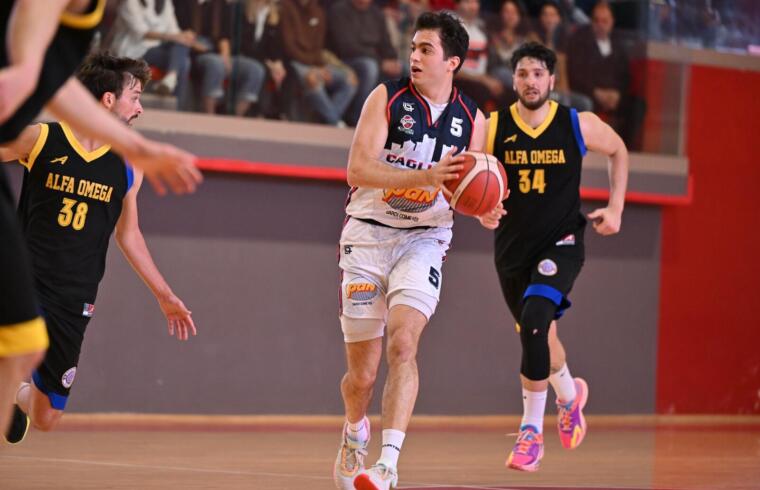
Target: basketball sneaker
[[350, 460], [570, 421], [379, 477], [528, 450], [18, 428]]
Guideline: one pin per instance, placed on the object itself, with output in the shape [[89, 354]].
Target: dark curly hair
[[537, 51], [103, 72], [454, 37]]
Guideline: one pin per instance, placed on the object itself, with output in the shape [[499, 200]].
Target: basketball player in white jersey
[[396, 235]]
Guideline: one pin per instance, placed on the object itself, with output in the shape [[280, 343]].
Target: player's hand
[[446, 169], [177, 317], [490, 220], [15, 87], [166, 165], [606, 221]]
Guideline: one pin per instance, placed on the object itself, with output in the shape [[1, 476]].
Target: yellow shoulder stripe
[[534, 133], [37, 148], [84, 21], [23, 338], [493, 122]]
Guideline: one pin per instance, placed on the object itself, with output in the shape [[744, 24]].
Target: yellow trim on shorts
[[493, 123], [23, 338], [37, 148], [84, 21]]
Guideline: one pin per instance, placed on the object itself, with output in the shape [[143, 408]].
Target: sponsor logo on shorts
[[547, 267], [361, 291], [566, 241], [410, 200], [88, 310], [68, 377], [347, 249]]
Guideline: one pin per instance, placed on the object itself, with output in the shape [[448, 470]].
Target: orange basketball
[[481, 185]]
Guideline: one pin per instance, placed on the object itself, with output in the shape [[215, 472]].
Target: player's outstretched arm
[[489, 220], [164, 165], [364, 168], [600, 137], [21, 148], [132, 244], [31, 28]]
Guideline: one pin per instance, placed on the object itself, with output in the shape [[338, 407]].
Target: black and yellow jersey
[[68, 48], [70, 202], [543, 167]]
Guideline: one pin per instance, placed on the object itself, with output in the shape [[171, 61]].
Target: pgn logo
[[361, 291]]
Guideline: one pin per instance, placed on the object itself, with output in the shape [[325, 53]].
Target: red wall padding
[[709, 329]]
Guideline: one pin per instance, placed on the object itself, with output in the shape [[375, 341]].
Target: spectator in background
[[261, 40], [510, 35], [552, 32], [358, 35], [214, 21], [148, 29], [598, 68], [400, 16], [328, 88], [473, 78]]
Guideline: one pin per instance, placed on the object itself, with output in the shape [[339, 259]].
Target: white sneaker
[[379, 477], [350, 461]]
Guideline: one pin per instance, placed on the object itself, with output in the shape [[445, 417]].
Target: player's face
[[532, 83], [128, 106], [428, 62]]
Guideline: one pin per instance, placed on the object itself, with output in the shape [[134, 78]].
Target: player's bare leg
[[405, 326]]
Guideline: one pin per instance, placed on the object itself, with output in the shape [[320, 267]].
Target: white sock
[[534, 405], [392, 442], [564, 385], [358, 431]]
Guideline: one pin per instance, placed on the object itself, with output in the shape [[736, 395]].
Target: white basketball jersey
[[415, 142]]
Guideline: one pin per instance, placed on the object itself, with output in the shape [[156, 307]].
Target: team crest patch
[[88, 310], [566, 241], [408, 106], [68, 377], [407, 122], [547, 267]]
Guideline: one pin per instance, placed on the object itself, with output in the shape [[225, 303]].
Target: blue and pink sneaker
[[570, 421]]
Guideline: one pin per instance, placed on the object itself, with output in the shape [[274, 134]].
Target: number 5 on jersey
[[69, 216]]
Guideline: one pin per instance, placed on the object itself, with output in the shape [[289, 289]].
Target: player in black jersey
[[539, 236], [41, 44], [395, 237], [75, 193]]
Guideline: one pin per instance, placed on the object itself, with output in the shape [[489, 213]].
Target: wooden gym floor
[[123, 451]]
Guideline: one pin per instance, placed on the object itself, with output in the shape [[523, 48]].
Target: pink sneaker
[[528, 450], [570, 421]]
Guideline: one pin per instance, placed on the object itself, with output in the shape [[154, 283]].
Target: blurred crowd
[[317, 60]]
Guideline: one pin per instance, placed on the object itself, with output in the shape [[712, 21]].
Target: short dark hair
[[103, 72], [537, 51], [454, 37]]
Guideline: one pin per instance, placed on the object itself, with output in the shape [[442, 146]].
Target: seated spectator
[[598, 68], [552, 32], [400, 17], [358, 35], [510, 35], [148, 29], [214, 21], [261, 40], [328, 88], [473, 78]]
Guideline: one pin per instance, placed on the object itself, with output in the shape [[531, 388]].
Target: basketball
[[481, 185]]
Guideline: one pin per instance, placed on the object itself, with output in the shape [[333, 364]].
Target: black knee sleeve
[[537, 315]]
